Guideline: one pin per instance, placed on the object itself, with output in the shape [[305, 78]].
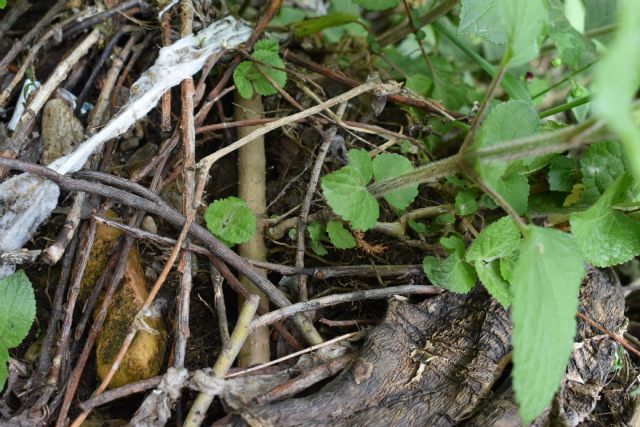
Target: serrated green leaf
[[507, 121], [491, 279], [546, 282], [348, 197], [316, 232], [17, 309], [452, 244], [601, 165], [465, 203], [498, 240], [339, 236], [268, 45], [479, 17], [523, 22], [451, 273], [230, 220], [562, 173], [17, 312], [260, 84], [240, 79], [315, 25], [389, 165], [360, 161], [617, 81], [377, 4], [607, 236]]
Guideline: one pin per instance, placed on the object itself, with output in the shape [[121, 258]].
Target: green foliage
[[377, 4], [523, 22], [339, 236], [346, 189], [247, 77], [498, 240], [545, 286], [562, 172], [389, 165], [3, 4], [492, 280], [17, 312], [230, 220], [573, 47], [617, 82], [507, 121], [316, 233], [466, 203], [601, 165], [452, 273], [480, 18], [315, 25], [605, 235]]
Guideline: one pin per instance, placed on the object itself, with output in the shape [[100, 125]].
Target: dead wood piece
[[436, 362], [588, 369]]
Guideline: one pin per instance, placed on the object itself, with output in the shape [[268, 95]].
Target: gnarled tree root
[[442, 362]]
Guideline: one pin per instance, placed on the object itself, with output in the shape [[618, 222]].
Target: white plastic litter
[[28, 87], [27, 200]]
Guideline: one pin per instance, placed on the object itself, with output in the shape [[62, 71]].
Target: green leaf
[[601, 165], [479, 17], [466, 203], [17, 311], [315, 25], [377, 4], [515, 191], [453, 244], [339, 236], [573, 47], [491, 279], [287, 16], [617, 81], [420, 84], [389, 165], [316, 232], [3, 4], [241, 80], [507, 121], [360, 161], [546, 282], [346, 192], [605, 235], [247, 78], [418, 227], [524, 22], [260, 84], [451, 273], [562, 172], [230, 220], [599, 13], [498, 240]]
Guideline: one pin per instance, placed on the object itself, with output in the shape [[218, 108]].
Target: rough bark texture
[[436, 363]]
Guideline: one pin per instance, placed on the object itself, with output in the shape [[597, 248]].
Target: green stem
[[561, 82], [566, 106], [536, 145]]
